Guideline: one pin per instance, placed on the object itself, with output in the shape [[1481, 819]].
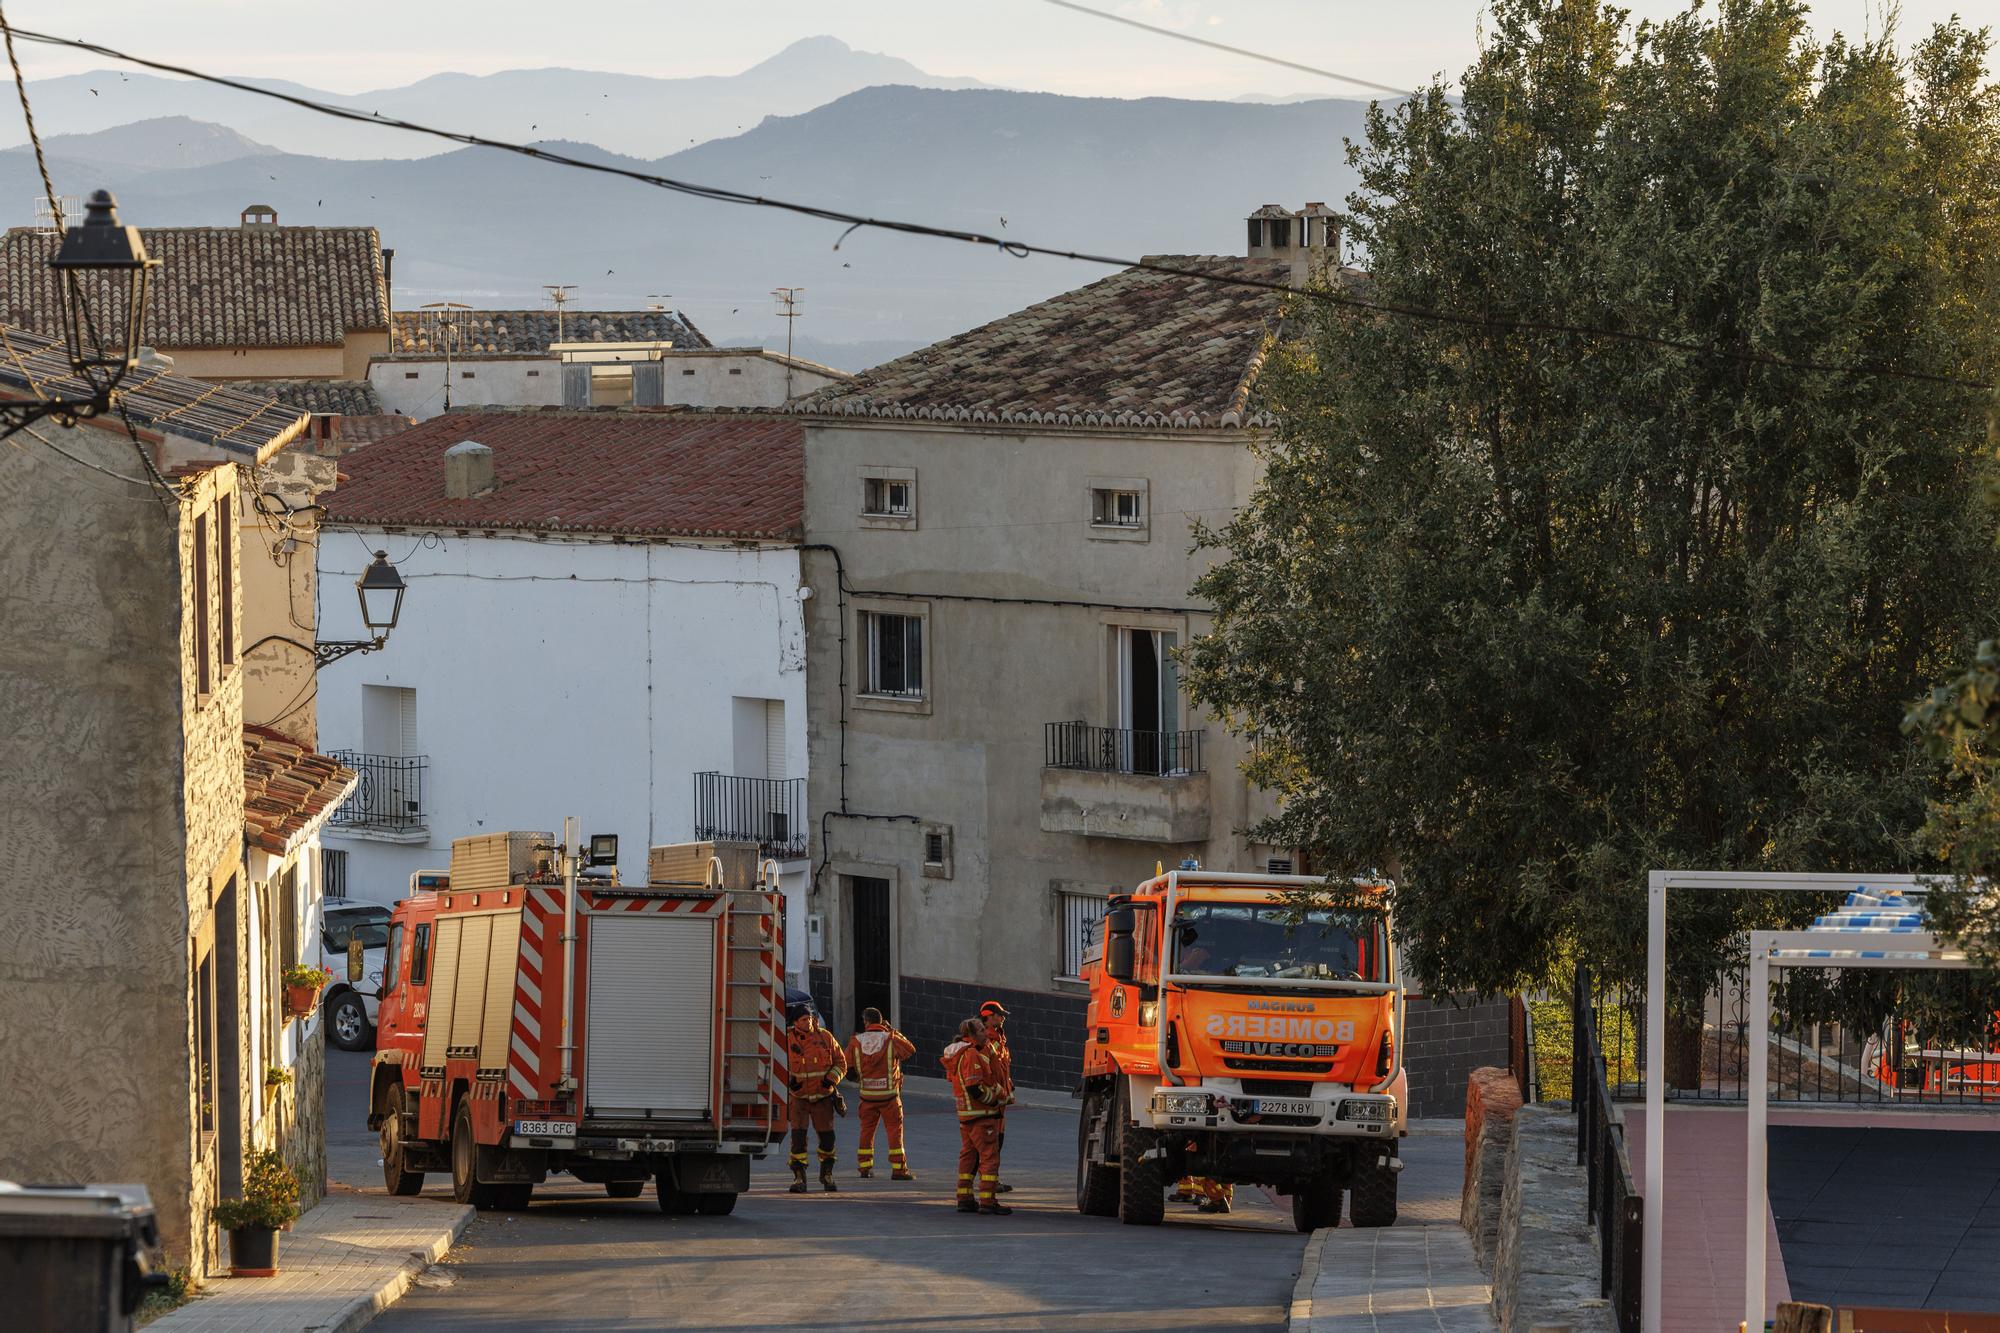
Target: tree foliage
[[1518, 616]]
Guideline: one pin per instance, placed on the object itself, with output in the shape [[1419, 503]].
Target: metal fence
[[1121, 749], [1878, 1038], [1521, 1054], [390, 795], [770, 812], [1614, 1203]]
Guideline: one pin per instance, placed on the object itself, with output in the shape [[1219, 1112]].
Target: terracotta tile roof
[[632, 473], [347, 397], [1139, 349], [223, 286], [286, 787], [244, 423], [520, 332]]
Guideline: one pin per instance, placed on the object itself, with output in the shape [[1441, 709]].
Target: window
[[465, 374], [1078, 915], [225, 533], [333, 874], [288, 916], [1278, 865], [894, 665], [937, 851], [734, 370], [409, 374], [420, 955], [687, 372], [534, 374], [1117, 509], [934, 849], [884, 497], [370, 923], [393, 959], [206, 1074], [1120, 509], [888, 497], [201, 678]]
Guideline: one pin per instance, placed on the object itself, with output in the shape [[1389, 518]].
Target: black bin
[[77, 1256]]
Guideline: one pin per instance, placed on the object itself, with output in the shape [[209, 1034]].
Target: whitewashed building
[[604, 619]]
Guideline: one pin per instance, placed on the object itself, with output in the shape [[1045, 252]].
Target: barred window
[[1079, 915], [333, 875]]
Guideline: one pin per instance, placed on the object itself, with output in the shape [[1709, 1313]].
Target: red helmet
[[992, 1007]]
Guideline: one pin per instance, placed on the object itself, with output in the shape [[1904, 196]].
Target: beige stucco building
[[158, 842]]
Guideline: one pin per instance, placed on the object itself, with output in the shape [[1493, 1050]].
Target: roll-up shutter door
[[649, 1047]]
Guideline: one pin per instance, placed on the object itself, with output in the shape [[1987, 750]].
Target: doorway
[[874, 967], [228, 1093], [1145, 699]]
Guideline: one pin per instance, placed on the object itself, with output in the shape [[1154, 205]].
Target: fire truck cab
[[1235, 1035], [539, 1016]]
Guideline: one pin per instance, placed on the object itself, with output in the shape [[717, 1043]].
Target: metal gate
[[874, 974]]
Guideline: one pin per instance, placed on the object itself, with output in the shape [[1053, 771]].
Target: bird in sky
[[274, 178], [1003, 222], [535, 126], [320, 204], [847, 266], [93, 92], [609, 272]]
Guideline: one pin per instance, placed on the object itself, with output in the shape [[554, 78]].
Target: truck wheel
[[1373, 1203], [510, 1198], [1316, 1204], [715, 1205], [465, 1186], [347, 1023], [1096, 1184], [624, 1189], [394, 1176], [1142, 1181], [672, 1202]]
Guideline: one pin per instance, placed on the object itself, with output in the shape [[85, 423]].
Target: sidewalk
[[340, 1265], [1391, 1280]]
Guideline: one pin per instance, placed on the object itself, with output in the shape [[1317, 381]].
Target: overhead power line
[[1021, 249], [1232, 50]]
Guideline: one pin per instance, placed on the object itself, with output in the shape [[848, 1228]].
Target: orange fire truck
[[539, 1016], [1234, 1038]]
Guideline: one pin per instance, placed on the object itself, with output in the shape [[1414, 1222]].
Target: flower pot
[[300, 1000], [253, 1252]]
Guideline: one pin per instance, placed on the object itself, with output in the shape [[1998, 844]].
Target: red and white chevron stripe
[[541, 934]]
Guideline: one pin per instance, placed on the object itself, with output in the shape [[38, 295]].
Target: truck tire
[[394, 1175], [715, 1205], [1142, 1180], [624, 1189], [1316, 1204], [1373, 1202], [1096, 1183], [672, 1202], [347, 1023], [465, 1185], [510, 1198]]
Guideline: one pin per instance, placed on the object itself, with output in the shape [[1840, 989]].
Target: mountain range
[[622, 113], [487, 227]]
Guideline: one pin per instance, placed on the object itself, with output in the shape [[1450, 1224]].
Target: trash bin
[[77, 1256]]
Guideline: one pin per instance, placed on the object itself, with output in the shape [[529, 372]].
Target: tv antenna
[[558, 294], [658, 300], [50, 212], [788, 310], [444, 321]]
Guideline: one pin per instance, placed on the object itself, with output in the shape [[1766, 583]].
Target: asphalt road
[[878, 1256]]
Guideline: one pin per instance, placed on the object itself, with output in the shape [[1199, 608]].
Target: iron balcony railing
[[770, 812], [390, 795], [1121, 749]]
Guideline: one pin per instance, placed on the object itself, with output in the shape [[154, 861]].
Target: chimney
[[259, 215], [1309, 239], [468, 470], [389, 276]]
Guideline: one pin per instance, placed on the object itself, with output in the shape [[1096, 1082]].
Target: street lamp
[[380, 589], [99, 257]]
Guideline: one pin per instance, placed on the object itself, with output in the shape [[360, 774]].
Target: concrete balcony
[[1112, 782]]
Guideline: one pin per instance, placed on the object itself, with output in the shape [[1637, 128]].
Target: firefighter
[[977, 1092], [993, 1015], [876, 1056], [1206, 1195], [817, 1065]]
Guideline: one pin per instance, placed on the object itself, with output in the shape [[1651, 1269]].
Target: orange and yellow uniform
[[816, 1064], [876, 1056], [977, 1092]]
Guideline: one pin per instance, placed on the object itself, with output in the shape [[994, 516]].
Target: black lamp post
[[99, 258], [381, 591]]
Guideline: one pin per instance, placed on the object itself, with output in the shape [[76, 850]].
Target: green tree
[[1518, 614]]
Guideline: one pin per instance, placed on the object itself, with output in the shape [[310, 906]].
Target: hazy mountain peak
[[160, 141]]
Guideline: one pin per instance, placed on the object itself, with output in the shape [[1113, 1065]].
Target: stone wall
[[1445, 1040], [94, 970], [1545, 1267], [1044, 1030], [1491, 1101]]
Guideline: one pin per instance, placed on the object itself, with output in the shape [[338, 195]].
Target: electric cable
[[1022, 249]]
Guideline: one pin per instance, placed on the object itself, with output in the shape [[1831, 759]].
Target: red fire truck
[[539, 1016]]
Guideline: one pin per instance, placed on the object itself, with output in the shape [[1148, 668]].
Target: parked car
[[350, 1006]]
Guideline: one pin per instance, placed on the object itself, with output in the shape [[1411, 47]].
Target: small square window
[[465, 374], [886, 497], [409, 374], [687, 372], [736, 370], [1117, 509], [934, 849], [534, 374], [937, 851]]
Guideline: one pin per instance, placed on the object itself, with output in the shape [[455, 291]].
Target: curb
[[1299, 1318], [361, 1311]]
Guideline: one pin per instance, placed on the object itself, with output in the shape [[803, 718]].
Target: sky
[[356, 45]]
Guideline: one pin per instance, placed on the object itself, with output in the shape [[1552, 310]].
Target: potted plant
[[275, 1077], [303, 984], [270, 1201]]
